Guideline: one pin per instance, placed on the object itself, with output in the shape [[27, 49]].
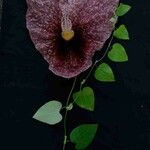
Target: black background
[[26, 84]]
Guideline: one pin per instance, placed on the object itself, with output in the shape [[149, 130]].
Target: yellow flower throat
[[67, 35]]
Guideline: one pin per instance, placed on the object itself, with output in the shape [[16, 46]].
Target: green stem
[[81, 86], [97, 61], [93, 66], [66, 113]]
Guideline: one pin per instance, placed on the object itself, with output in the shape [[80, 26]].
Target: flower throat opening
[[66, 24]]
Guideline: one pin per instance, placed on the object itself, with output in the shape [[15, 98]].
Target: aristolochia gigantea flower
[[68, 32]]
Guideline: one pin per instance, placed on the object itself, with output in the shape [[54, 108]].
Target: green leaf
[[121, 33], [85, 98], [122, 9], [114, 20], [70, 106], [117, 53], [83, 135], [104, 73], [49, 113]]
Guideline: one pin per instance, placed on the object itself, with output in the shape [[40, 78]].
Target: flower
[[68, 32]]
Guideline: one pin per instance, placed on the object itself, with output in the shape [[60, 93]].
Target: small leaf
[[118, 53], [121, 33], [49, 113], [83, 135], [104, 73], [70, 106], [114, 20], [85, 98], [122, 9]]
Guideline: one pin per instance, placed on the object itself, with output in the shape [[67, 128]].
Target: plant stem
[[93, 66], [97, 61], [66, 113], [81, 86]]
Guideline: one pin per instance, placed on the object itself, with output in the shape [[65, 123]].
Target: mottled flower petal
[[90, 22]]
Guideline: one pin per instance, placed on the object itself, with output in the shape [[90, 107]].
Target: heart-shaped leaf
[[118, 53], [49, 113], [122, 9], [121, 33], [85, 98], [83, 135], [104, 73]]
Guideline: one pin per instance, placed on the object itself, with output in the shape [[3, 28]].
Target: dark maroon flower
[[68, 32]]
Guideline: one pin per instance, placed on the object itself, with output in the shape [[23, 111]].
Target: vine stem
[[81, 86], [66, 113], [97, 61], [93, 66]]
